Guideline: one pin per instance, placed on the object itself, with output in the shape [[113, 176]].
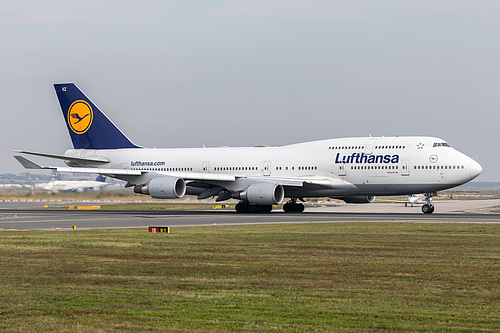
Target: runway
[[478, 211]]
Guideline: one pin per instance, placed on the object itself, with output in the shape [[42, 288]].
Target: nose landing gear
[[428, 208]]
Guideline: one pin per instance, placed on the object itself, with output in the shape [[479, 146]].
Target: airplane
[[415, 199], [352, 169], [412, 199], [13, 186], [56, 186]]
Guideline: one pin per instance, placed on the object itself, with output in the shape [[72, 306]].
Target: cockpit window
[[441, 144]]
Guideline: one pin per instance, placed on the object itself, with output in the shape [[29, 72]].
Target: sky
[[245, 73]]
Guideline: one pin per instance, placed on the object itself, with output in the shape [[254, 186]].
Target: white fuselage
[[72, 186], [356, 166]]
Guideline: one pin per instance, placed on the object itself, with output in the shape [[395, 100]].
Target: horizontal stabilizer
[[27, 164]]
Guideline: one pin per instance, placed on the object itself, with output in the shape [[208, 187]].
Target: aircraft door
[[267, 168], [205, 166], [405, 167], [370, 144], [342, 170]]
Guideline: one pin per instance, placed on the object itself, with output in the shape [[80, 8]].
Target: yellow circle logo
[[80, 116]]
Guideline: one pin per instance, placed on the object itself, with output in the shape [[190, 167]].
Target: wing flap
[[102, 171], [327, 182], [199, 176]]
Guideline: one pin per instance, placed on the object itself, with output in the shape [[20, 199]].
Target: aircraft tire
[[245, 207], [266, 208], [242, 207], [428, 209], [293, 207], [253, 209]]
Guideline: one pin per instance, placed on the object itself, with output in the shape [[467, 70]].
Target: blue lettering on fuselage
[[362, 158]]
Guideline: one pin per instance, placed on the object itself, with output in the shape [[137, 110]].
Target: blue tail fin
[[101, 178], [88, 127]]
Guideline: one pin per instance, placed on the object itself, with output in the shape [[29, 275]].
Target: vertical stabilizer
[[101, 178], [88, 127]]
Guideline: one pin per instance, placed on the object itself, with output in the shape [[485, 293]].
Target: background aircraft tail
[[101, 178], [88, 127]]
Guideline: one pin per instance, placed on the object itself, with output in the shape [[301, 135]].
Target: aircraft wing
[[207, 178], [328, 182]]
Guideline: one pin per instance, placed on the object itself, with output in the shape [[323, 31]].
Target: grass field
[[339, 277]]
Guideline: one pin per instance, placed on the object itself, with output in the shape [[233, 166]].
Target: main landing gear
[[293, 207], [245, 207], [289, 207], [428, 208]]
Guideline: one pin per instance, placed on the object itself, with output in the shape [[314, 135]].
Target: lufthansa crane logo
[[80, 116]]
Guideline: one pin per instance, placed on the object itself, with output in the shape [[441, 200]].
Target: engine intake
[[262, 194], [166, 187]]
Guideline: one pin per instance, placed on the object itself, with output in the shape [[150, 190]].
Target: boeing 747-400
[[352, 169]]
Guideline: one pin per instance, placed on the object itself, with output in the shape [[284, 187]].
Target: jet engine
[[262, 194], [166, 187], [358, 199]]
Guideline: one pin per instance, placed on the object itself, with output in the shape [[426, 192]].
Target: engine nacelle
[[262, 194], [166, 187], [359, 199]]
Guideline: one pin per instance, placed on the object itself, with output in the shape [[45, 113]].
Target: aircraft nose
[[475, 169]]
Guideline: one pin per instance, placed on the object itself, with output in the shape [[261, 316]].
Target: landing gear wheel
[[243, 207], [428, 209], [266, 208], [293, 207], [253, 209]]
